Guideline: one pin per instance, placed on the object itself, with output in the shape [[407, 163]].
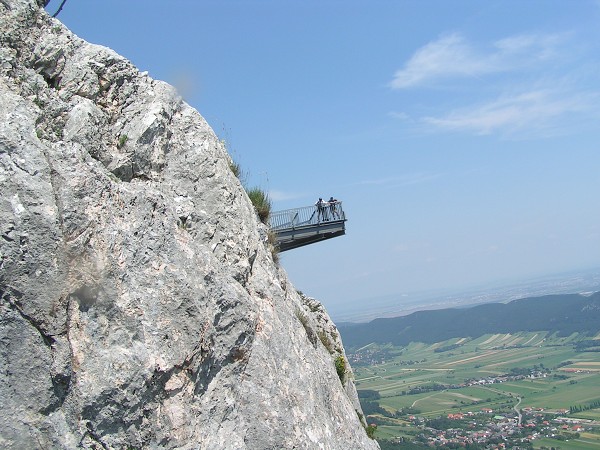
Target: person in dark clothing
[[333, 208], [320, 209]]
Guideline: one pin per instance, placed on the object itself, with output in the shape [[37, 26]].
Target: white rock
[[140, 306]]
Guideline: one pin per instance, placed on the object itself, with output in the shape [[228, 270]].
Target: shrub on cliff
[[340, 367], [262, 203]]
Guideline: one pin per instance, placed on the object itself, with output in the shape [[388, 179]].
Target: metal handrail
[[307, 215]]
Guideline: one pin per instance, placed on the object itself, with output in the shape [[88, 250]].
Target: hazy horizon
[[394, 305]]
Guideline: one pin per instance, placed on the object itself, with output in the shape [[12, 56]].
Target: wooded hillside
[[562, 314]]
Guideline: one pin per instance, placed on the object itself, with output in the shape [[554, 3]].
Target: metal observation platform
[[302, 226]]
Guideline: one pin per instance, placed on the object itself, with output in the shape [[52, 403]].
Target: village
[[487, 428]]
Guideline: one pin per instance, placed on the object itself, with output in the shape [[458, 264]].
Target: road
[[516, 408]]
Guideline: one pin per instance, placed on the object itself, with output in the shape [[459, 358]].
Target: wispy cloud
[[536, 84], [534, 111], [450, 55], [402, 180], [401, 115], [454, 56], [279, 196]]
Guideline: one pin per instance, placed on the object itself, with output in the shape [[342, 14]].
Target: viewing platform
[[302, 226]]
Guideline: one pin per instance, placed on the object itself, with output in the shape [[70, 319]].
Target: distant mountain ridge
[[563, 314]]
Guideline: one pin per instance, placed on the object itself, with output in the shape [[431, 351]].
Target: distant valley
[[523, 373]]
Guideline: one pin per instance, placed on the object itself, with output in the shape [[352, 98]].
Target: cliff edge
[[140, 304]]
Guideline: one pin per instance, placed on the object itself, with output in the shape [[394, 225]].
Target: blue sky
[[462, 136]]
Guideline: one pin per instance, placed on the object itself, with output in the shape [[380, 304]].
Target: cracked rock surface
[[140, 304]]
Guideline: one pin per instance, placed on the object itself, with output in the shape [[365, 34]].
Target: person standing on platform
[[320, 209], [333, 208]]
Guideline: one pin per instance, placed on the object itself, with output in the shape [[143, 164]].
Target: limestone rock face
[[140, 304]]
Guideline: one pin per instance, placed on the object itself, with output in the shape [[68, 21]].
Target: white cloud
[[279, 196], [529, 48], [400, 115], [454, 56], [403, 180], [532, 111], [450, 55], [538, 85]]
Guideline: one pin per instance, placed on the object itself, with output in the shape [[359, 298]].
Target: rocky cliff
[[140, 304]]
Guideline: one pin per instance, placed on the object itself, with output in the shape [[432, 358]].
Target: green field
[[593, 414], [568, 378], [584, 443]]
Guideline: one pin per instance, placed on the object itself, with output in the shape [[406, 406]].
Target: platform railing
[[307, 215]]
